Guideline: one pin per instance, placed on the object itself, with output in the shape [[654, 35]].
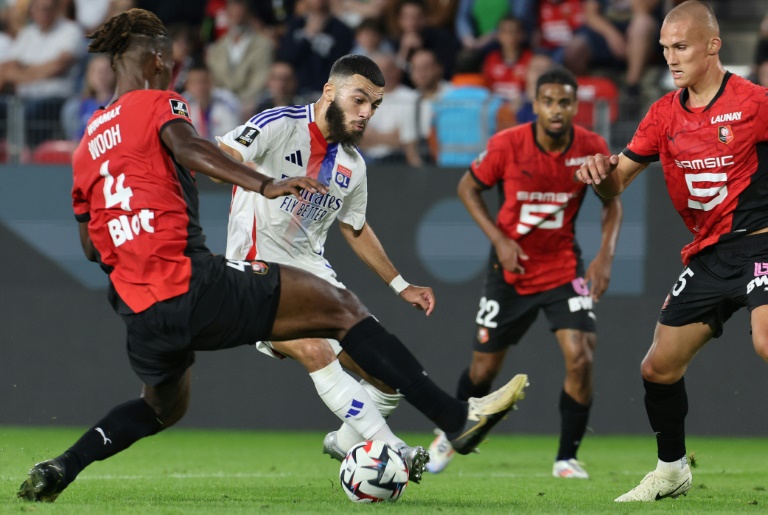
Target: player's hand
[[598, 276], [421, 297], [293, 186], [597, 168], [510, 255]]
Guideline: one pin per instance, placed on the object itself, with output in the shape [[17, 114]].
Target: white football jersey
[[286, 142]]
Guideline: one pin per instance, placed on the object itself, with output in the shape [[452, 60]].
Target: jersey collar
[[567, 147], [684, 94]]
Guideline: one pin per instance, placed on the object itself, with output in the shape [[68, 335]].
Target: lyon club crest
[[725, 134]]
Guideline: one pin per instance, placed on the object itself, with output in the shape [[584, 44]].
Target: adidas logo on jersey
[[295, 158]]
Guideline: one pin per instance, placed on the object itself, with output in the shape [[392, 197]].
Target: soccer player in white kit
[[319, 140]]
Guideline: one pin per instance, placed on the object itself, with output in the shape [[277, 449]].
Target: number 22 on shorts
[[487, 312]]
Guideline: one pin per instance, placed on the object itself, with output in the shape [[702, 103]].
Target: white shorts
[[328, 275]]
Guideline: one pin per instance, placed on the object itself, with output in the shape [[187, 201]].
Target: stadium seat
[[54, 152], [591, 91]]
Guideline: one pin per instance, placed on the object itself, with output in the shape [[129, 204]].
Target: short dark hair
[[557, 75], [352, 64]]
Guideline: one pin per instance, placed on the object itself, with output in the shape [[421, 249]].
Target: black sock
[[667, 406], [124, 425], [467, 388], [385, 357], [573, 425]]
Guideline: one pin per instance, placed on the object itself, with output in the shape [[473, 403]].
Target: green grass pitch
[[211, 472]]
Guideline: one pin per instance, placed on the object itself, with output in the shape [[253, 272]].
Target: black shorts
[[717, 282], [230, 303], [505, 315]]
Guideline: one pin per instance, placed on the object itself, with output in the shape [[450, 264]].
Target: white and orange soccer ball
[[373, 472]]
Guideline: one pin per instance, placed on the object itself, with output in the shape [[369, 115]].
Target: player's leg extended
[[666, 403], [159, 408], [311, 307], [575, 399]]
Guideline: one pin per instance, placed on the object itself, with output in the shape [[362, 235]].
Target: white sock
[[348, 400], [386, 403], [673, 468]]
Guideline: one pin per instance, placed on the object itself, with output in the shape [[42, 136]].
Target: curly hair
[[118, 33]]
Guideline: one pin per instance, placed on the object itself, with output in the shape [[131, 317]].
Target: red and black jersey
[[715, 159], [140, 204], [540, 199]]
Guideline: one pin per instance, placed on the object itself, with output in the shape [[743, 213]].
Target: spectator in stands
[[240, 60], [6, 41], [98, 89], [312, 43], [536, 68], [427, 79], [353, 12], [90, 13], [213, 111], [183, 50], [189, 12], [119, 6], [43, 67], [477, 20], [505, 68], [391, 134], [413, 33], [761, 55], [371, 38], [467, 114], [556, 23], [618, 34], [281, 88]]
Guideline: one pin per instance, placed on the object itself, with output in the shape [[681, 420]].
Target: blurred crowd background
[[456, 70]]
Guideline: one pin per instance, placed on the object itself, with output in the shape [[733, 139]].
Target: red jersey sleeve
[[645, 144], [80, 205], [170, 107], [488, 167]]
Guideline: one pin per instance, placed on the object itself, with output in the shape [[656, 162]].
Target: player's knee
[[351, 309], [760, 342], [315, 354], [654, 371], [484, 371]]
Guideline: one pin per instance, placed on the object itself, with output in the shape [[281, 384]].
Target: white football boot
[[440, 453], [569, 469], [657, 485]]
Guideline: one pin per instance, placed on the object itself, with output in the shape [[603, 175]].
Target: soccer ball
[[373, 472]]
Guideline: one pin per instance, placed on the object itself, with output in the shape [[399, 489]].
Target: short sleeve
[[170, 107], [355, 204], [80, 205], [645, 144], [249, 140], [488, 167]]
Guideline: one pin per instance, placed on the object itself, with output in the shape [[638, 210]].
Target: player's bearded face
[[339, 129], [555, 106]]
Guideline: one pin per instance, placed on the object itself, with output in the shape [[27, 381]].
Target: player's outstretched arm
[[200, 155], [609, 175], [509, 252], [599, 271], [368, 248]]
